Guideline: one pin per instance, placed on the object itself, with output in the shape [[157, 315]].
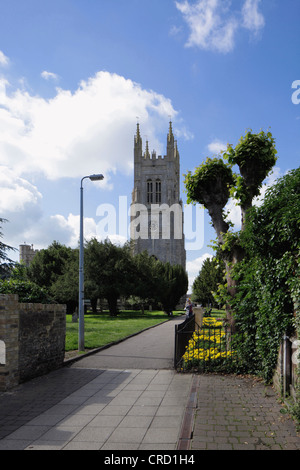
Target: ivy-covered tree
[[210, 186], [267, 300], [255, 155], [214, 182]]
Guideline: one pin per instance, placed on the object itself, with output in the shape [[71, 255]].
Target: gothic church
[[156, 208]]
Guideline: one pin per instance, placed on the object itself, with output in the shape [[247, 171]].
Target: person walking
[[189, 308]]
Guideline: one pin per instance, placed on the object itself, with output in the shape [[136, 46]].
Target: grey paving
[[128, 397], [153, 349], [240, 413], [125, 397], [117, 409]]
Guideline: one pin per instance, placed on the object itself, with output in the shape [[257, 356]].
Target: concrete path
[[153, 349], [126, 397]]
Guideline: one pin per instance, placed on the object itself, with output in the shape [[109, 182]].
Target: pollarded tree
[[210, 186], [213, 182], [255, 155]]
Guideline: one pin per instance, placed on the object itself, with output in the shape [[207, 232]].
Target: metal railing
[[205, 347], [183, 333]]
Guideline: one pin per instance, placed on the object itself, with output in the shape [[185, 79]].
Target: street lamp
[[81, 268]]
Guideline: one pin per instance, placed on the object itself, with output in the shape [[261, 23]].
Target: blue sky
[[76, 74]]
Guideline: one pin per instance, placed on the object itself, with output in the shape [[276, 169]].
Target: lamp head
[[96, 177]]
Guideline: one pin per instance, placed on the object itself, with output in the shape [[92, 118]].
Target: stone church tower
[[156, 208]]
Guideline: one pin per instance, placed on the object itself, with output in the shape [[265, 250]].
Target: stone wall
[[33, 339]]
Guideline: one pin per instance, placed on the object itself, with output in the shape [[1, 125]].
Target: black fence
[[183, 333], [208, 347]]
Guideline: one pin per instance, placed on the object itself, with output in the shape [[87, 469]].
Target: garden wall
[[32, 340]]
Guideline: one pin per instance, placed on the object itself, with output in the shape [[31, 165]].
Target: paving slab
[[111, 416], [114, 400]]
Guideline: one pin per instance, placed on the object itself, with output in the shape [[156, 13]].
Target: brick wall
[[34, 338]]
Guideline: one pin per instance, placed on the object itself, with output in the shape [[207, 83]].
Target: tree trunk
[[220, 225], [112, 305]]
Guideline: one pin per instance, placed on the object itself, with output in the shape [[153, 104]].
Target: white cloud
[[193, 267], [4, 61], [234, 211], [16, 193], [73, 134], [78, 133], [252, 18], [68, 228], [20, 204], [213, 23], [49, 75], [217, 146], [208, 30], [234, 214], [269, 181]]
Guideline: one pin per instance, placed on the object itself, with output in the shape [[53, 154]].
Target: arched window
[[158, 191], [149, 191]]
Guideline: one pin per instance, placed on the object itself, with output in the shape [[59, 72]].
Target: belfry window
[[149, 191], [158, 191]]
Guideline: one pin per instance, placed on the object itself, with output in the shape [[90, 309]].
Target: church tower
[[156, 208]]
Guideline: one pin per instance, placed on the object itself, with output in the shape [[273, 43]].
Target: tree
[[267, 299], [109, 270], [65, 289], [49, 264], [255, 155], [28, 291], [207, 281], [213, 182], [5, 262], [210, 186], [144, 281], [172, 284]]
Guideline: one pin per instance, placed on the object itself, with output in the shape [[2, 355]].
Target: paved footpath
[[128, 397], [238, 413]]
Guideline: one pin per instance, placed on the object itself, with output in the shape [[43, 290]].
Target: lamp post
[[81, 266]]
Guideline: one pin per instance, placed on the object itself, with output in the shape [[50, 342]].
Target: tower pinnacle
[[170, 135], [138, 139]]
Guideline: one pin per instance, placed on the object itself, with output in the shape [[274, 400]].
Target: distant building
[[156, 208], [26, 254]]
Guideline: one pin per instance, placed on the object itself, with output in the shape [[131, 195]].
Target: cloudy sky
[[77, 75]]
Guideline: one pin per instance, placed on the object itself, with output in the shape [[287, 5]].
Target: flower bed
[[209, 348]]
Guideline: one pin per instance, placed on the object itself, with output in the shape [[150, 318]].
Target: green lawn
[[102, 329]]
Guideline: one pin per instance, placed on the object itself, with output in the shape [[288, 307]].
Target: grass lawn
[[100, 330], [218, 313]]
